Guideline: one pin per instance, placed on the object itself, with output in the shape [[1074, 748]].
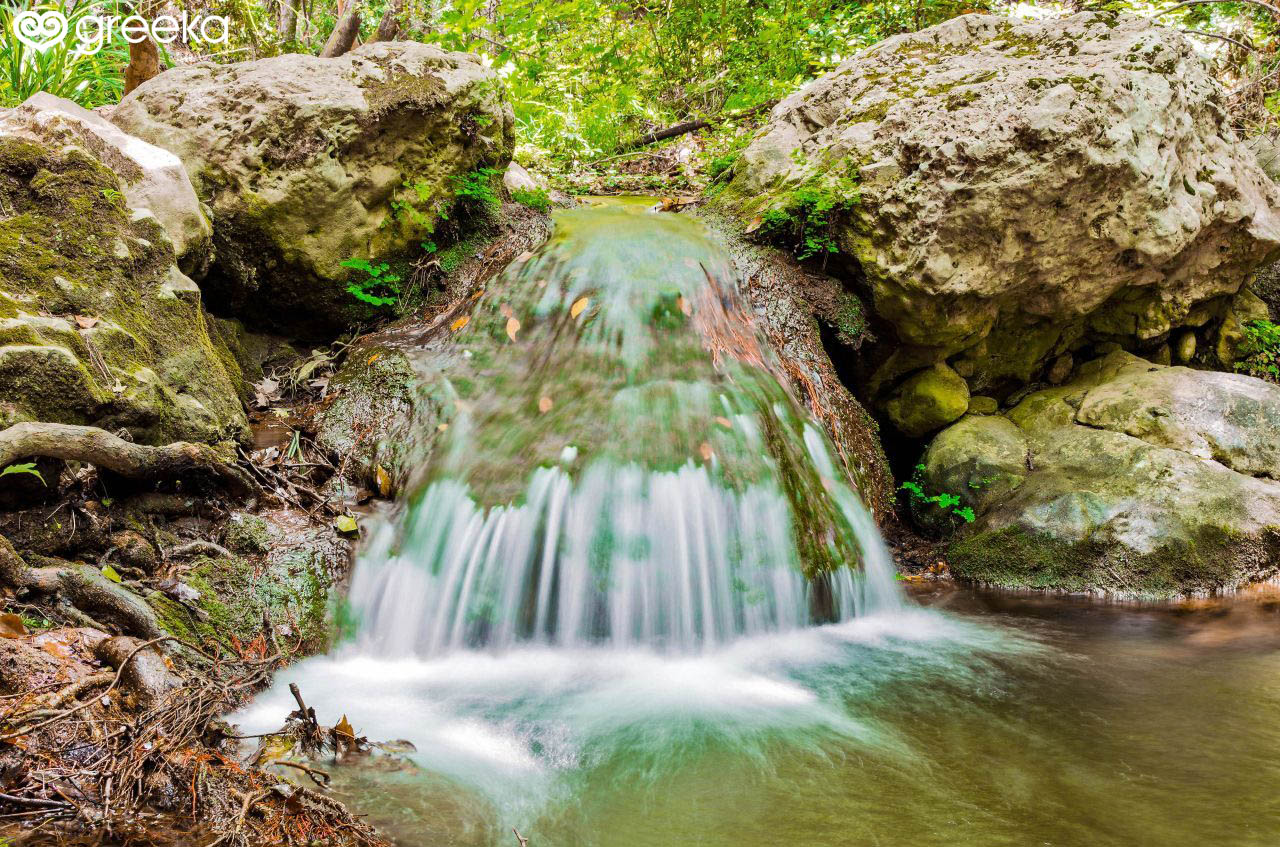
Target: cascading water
[[622, 466], [591, 620]]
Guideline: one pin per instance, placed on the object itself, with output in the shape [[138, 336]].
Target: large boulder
[[308, 163], [1134, 478], [1008, 191], [97, 323]]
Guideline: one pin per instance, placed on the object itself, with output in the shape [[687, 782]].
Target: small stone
[[1186, 348], [1161, 355], [929, 400], [1061, 369], [964, 367], [981, 405]]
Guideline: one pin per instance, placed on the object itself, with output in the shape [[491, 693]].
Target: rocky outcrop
[[1135, 478], [1010, 191], [308, 163], [98, 325]]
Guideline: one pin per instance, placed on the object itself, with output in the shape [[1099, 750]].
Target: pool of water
[[964, 719]]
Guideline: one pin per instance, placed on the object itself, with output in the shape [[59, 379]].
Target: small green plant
[[944, 501], [1260, 351], [534, 198], [25, 468], [475, 193], [806, 221], [377, 287]]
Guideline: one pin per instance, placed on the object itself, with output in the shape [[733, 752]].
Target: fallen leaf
[[513, 326], [11, 626], [725, 422], [683, 305], [755, 224], [57, 649], [85, 322], [524, 257], [579, 306], [345, 524], [459, 323], [111, 574], [375, 357], [384, 480], [505, 310], [706, 451], [343, 727], [441, 427], [544, 405]]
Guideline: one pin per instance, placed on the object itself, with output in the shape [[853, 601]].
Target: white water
[[621, 555]]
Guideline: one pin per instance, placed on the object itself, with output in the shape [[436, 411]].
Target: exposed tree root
[[106, 451]]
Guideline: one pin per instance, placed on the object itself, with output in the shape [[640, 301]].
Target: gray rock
[[1015, 189], [1141, 480], [309, 162]]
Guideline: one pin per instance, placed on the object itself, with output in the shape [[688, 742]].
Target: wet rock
[[97, 323], [980, 405], [1138, 479], [309, 162], [1009, 189]]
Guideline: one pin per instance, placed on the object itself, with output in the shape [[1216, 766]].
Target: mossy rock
[[928, 401]]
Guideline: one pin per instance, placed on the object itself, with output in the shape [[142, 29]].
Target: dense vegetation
[[589, 78]]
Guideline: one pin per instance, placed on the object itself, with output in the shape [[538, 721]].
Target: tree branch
[[1272, 9], [343, 37]]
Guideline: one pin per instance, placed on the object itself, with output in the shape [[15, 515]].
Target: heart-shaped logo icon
[[40, 30]]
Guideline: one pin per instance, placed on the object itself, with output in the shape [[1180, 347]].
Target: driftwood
[[109, 452], [343, 37], [695, 125]]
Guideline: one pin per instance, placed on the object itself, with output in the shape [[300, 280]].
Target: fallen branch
[[695, 125], [104, 450]]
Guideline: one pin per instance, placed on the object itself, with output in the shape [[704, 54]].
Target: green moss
[[248, 534]]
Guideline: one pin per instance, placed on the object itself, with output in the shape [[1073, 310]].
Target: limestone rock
[[1012, 190], [97, 323], [309, 162], [150, 178], [1140, 479]]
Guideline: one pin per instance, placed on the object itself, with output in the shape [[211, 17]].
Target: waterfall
[[622, 466]]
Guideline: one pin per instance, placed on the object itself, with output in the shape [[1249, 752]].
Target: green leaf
[[346, 524], [27, 468], [110, 573]]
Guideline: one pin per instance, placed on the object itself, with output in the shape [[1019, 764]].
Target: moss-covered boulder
[[1133, 478], [97, 323], [308, 163], [932, 398], [1011, 190]]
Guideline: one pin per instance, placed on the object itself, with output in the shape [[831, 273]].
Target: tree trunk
[[389, 26], [144, 63], [343, 36], [288, 23]]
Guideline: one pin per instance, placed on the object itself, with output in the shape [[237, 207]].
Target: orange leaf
[[706, 451], [459, 323], [725, 422], [545, 404], [375, 357], [84, 322], [684, 306], [11, 626], [513, 326], [579, 306], [384, 480], [343, 727]]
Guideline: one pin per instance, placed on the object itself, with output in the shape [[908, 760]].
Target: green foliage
[[534, 198], [475, 192], [806, 220], [25, 468], [376, 287], [90, 79], [945, 501], [1260, 350]]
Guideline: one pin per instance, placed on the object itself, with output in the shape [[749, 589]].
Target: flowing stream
[[631, 600]]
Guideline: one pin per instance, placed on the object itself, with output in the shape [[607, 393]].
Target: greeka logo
[[41, 30]]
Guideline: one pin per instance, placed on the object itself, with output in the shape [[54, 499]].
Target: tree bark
[[343, 37], [389, 26], [104, 450], [144, 63], [693, 126], [288, 22]]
